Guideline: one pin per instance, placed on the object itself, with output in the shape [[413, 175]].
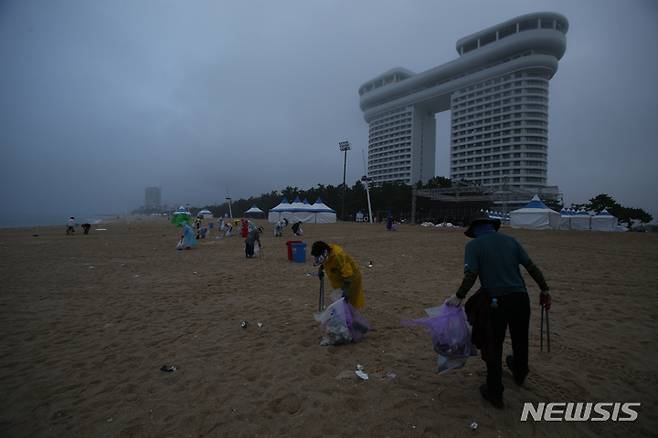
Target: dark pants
[[514, 311], [249, 249]]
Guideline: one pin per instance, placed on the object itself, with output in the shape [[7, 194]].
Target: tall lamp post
[[366, 181], [230, 212], [344, 146]]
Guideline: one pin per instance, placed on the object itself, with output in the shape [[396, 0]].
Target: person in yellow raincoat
[[342, 270]]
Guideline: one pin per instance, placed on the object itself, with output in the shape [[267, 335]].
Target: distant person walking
[[495, 258], [70, 226], [86, 227]]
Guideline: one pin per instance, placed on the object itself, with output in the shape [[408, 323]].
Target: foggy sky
[[100, 99]]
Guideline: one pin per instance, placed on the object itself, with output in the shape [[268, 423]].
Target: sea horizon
[[51, 220]]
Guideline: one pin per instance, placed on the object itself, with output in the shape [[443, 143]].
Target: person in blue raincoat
[[187, 240]]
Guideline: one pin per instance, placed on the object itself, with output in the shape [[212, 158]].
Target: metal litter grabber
[[548, 331], [321, 298]]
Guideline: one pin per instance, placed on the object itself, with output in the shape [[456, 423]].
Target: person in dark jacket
[[297, 228], [253, 236], [495, 258]]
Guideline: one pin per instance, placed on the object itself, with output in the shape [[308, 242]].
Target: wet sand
[[87, 322]]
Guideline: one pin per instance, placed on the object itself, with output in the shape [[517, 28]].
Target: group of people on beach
[[502, 302]]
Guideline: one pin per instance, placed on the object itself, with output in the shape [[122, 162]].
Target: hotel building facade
[[497, 91]]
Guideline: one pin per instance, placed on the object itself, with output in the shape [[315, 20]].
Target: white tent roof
[[284, 205], [254, 209], [535, 215], [320, 206]]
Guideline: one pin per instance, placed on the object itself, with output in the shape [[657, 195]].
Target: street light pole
[[344, 146], [229, 208], [366, 182]]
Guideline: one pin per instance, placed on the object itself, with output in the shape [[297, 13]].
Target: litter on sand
[[244, 324], [474, 425], [260, 324], [341, 324], [168, 368]]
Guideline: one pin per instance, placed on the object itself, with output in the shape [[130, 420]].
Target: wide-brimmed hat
[[481, 220]]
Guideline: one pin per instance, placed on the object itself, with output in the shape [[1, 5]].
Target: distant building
[[497, 90], [152, 198]]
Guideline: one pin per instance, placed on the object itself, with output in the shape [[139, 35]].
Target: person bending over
[[342, 270]]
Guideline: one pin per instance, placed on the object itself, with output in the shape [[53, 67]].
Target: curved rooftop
[[539, 37], [535, 20]]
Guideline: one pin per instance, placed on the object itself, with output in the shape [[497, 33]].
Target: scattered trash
[[109, 420], [136, 275], [341, 324], [360, 373], [195, 273], [260, 324], [35, 235], [168, 368], [370, 264], [101, 229], [244, 324], [391, 375], [474, 425]]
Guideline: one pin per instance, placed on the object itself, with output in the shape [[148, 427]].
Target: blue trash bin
[[299, 252]]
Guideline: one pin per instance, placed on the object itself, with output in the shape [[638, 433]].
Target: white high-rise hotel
[[498, 93]]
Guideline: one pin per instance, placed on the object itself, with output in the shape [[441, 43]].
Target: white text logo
[[601, 411]]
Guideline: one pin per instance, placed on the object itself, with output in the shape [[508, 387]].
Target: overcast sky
[[100, 99]]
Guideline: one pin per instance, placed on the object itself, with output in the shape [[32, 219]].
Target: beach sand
[[87, 322]]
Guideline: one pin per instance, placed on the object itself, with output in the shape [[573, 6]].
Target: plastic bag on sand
[[341, 323], [451, 335]]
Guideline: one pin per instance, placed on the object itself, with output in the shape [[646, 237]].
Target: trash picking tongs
[[548, 330], [321, 299]]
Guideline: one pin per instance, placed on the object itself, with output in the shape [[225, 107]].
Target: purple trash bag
[[341, 323], [451, 335]]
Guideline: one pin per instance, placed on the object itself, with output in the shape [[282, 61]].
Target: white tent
[[565, 219], [604, 221], [580, 221], [205, 214], [182, 210], [535, 216], [254, 212], [323, 214], [275, 214], [299, 211]]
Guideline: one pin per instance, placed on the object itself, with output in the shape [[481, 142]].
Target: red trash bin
[[289, 245]]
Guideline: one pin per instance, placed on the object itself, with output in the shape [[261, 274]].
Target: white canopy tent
[[182, 210], [535, 216], [580, 220], [299, 211], [565, 218], [254, 212], [205, 214], [603, 221], [323, 214]]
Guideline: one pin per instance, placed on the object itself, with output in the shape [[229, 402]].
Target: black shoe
[[495, 402], [509, 360]]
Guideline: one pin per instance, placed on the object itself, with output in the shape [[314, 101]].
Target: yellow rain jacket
[[340, 268]]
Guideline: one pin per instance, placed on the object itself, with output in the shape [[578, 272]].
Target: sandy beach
[[88, 321]]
